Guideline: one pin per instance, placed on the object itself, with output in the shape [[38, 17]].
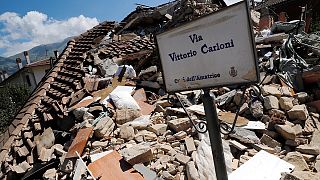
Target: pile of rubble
[[102, 112]]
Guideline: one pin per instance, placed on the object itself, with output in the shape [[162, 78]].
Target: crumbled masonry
[[103, 111]]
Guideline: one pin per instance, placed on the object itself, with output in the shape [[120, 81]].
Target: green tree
[[12, 98]]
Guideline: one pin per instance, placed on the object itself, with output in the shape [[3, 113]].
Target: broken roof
[[57, 83], [43, 62]]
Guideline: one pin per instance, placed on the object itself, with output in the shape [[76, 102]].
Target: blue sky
[[25, 24], [62, 9]]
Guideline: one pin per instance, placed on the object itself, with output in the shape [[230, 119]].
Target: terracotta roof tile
[[3, 154], [39, 63], [18, 129]]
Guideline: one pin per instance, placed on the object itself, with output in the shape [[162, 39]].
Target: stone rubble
[[154, 130]]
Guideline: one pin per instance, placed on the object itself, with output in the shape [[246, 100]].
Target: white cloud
[[21, 33], [229, 2]]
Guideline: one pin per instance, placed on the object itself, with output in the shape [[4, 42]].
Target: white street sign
[[215, 50]]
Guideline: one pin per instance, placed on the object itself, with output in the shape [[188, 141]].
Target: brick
[[190, 145], [181, 124], [138, 153], [183, 159]]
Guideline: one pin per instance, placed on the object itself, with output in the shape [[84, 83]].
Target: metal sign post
[[214, 134]]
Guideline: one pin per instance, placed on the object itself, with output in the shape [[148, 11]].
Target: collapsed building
[[102, 112]]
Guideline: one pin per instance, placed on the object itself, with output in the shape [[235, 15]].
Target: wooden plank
[[113, 166], [79, 142]]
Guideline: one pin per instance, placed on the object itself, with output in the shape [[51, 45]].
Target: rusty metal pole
[[214, 134]]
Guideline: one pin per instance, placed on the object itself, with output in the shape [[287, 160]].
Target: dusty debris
[[105, 100]]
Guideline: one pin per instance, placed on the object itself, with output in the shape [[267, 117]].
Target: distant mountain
[[42, 51], [37, 53], [8, 64]]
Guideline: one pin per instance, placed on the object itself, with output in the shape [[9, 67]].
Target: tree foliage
[[12, 98]]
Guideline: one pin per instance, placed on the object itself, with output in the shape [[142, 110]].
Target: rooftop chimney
[[1, 78], [56, 53], [51, 59], [19, 63], [5, 74], [26, 55]]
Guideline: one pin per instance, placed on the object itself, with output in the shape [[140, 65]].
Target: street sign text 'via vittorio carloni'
[[215, 50]]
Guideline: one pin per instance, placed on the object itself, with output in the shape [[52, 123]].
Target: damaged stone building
[[102, 112]]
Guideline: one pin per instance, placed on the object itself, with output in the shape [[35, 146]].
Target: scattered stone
[[293, 143], [50, 174], [256, 109], [225, 98], [244, 108], [170, 138], [245, 136], [267, 140], [182, 158], [28, 135], [139, 153], [172, 169], [167, 175], [266, 148], [104, 127], [23, 151], [317, 164], [164, 147], [181, 124], [238, 145], [192, 172], [276, 112], [309, 149], [140, 123], [243, 159], [46, 139], [235, 164], [145, 135], [21, 168], [286, 103], [286, 91], [309, 126], [159, 129], [308, 157], [271, 102], [228, 117], [25, 166], [237, 98], [190, 145], [315, 141], [296, 159], [298, 112], [58, 149], [97, 144], [126, 133], [45, 154], [126, 115], [252, 152], [180, 135], [271, 90], [286, 131], [305, 175]]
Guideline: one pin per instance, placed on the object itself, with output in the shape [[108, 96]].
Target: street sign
[[214, 50]]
